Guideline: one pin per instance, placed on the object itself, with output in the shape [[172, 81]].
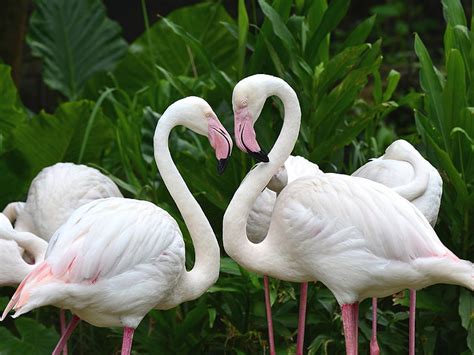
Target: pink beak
[[245, 136], [221, 142]]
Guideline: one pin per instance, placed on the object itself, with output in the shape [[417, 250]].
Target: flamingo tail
[[452, 271], [41, 274]]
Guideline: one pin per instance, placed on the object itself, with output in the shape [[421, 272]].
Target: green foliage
[[446, 124], [345, 96], [75, 40]]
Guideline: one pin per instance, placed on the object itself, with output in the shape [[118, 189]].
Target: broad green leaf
[[11, 110], [75, 40], [453, 12], [279, 26], [454, 99], [431, 84], [243, 21], [333, 15], [173, 49], [34, 338], [48, 139], [360, 33]]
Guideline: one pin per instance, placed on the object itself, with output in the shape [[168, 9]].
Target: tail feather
[[39, 275], [457, 272]]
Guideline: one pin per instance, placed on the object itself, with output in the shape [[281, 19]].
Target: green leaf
[[333, 15], [453, 12], [243, 21], [48, 139], [392, 82], [466, 312], [11, 110], [75, 40], [360, 33], [454, 99], [34, 338], [184, 44], [279, 26]]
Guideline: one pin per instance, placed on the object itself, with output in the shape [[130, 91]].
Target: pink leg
[[62, 322], [411, 339], [355, 310], [349, 323], [374, 346], [302, 318], [127, 340], [268, 308], [63, 341]]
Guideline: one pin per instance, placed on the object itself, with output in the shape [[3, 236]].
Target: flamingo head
[[196, 114], [248, 99]]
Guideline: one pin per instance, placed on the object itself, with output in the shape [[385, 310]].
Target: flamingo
[[54, 194], [115, 259], [356, 236], [19, 252], [257, 229], [403, 169]]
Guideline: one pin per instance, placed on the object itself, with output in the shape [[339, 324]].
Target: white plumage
[[55, 193], [115, 259], [358, 237]]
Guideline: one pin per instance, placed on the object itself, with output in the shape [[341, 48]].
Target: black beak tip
[[260, 156], [221, 165]]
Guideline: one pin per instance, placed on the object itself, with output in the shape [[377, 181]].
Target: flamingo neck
[[34, 245], [417, 187], [205, 272], [259, 257]]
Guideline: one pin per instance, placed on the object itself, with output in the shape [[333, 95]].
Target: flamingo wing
[[391, 173]]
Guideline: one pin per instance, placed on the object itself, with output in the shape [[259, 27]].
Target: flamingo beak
[[221, 142], [245, 136]]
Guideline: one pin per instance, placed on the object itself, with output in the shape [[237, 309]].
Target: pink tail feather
[[39, 275]]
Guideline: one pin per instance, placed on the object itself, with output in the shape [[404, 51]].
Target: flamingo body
[[56, 192], [391, 171]]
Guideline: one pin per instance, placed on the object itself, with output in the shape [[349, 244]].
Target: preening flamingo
[[404, 170], [54, 194], [358, 237], [257, 228], [19, 253], [115, 259]]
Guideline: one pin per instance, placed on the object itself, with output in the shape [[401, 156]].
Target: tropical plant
[[446, 124]]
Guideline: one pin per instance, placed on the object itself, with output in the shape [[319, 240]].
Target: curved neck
[[259, 257], [34, 245], [205, 272], [419, 184]]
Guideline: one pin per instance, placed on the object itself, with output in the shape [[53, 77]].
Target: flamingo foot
[[63, 341], [411, 339], [374, 347], [302, 318], [268, 308], [127, 340]]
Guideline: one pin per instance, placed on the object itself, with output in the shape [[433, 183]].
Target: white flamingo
[[19, 253], [54, 194], [404, 170], [115, 259], [358, 237], [257, 228]]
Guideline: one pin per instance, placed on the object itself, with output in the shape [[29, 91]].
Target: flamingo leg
[[62, 322], [63, 341], [374, 346], [268, 308], [302, 318], [349, 316], [411, 339], [127, 340]]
